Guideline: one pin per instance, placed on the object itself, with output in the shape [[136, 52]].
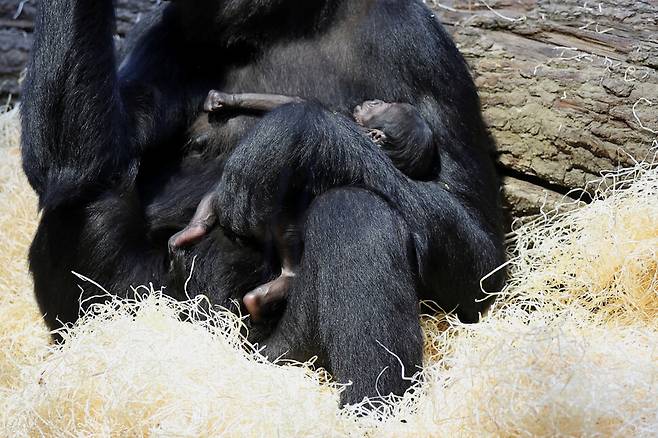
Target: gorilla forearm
[[71, 112], [80, 153], [295, 149], [217, 100], [84, 126]]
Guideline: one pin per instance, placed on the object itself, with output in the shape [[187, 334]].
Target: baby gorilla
[[398, 128], [402, 133]]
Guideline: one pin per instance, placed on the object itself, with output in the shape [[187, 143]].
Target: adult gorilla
[[111, 148]]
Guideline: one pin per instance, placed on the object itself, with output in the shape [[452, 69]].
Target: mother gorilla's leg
[[354, 303], [356, 283]]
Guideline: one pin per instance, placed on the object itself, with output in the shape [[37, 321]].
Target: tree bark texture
[[568, 87]]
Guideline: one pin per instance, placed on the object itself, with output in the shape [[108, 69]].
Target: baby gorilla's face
[[369, 112]]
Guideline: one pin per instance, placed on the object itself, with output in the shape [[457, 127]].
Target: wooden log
[[569, 87]]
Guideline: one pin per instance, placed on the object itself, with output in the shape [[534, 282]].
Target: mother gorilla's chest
[[314, 70], [327, 71]]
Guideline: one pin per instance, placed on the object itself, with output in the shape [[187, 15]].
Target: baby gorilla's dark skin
[[397, 127]]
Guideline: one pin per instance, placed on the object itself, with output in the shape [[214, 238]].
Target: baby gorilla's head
[[403, 134], [396, 120], [370, 112]]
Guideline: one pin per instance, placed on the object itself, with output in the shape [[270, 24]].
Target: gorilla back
[[108, 147]]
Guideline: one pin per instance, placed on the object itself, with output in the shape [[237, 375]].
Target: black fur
[[106, 146], [409, 141]]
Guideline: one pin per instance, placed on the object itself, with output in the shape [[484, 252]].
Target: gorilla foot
[[268, 298]]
